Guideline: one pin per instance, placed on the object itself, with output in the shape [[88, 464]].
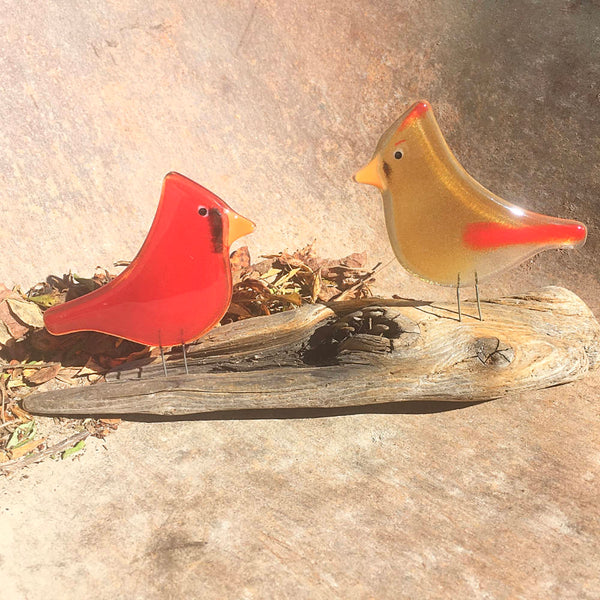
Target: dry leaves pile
[[283, 281], [31, 358]]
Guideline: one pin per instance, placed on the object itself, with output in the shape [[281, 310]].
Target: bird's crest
[[418, 111]]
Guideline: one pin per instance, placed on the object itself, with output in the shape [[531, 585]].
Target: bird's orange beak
[[238, 226], [370, 174]]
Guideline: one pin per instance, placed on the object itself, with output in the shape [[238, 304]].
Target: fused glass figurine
[[179, 284], [443, 225]]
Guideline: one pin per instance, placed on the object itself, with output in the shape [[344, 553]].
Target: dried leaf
[[238, 310], [21, 414], [21, 435], [76, 448], [7, 293], [280, 282], [26, 448], [42, 375], [15, 328], [357, 260], [271, 272], [293, 298], [27, 312], [67, 375], [48, 300], [240, 259], [328, 291], [87, 285], [316, 286], [15, 382], [5, 334], [106, 363], [261, 268], [91, 368]]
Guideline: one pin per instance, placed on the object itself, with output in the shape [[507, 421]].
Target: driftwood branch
[[356, 353]]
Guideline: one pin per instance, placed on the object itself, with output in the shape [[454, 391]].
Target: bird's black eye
[[202, 211], [398, 155]]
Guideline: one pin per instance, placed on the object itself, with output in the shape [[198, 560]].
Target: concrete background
[[273, 105]]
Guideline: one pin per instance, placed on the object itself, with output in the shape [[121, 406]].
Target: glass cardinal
[[443, 225], [179, 284]]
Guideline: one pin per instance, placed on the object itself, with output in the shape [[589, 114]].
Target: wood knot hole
[[493, 353], [370, 329]]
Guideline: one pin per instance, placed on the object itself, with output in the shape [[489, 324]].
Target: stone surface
[[497, 500], [274, 105]]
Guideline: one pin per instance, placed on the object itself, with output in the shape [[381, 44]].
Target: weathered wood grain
[[386, 351]]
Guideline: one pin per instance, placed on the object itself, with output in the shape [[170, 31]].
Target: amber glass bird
[[443, 225], [179, 284]]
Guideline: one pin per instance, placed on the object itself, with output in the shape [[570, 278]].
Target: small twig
[[41, 365], [10, 467], [3, 394]]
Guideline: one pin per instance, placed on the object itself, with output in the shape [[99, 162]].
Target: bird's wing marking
[[485, 236]]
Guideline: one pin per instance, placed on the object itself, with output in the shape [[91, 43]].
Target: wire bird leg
[[458, 297], [164, 364], [184, 350], [477, 296], [185, 362]]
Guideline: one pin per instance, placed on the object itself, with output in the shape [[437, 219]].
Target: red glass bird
[[179, 284]]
